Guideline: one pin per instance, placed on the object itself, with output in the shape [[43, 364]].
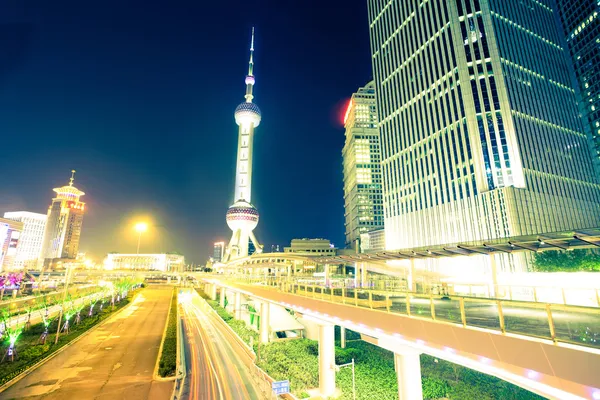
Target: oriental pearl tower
[[242, 216]]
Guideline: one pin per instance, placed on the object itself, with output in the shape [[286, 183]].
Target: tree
[[567, 261]]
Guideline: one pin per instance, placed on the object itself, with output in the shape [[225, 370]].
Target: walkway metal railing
[[557, 322]]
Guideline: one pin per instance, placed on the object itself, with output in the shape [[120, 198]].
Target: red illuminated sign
[[75, 206]]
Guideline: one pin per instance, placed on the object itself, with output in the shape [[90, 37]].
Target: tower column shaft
[[243, 175]]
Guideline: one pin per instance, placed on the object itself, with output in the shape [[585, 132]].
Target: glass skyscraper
[[582, 30], [480, 132], [363, 201]]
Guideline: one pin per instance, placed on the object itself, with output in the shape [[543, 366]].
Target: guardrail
[[585, 297], [181, 371], [559, 323]]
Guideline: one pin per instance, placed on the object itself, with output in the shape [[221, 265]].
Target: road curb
[[63, 348], [155, 376]]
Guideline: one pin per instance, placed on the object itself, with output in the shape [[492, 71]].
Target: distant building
[[372, 241], [10, 232], [251, 247], [218, 251], [581, 26], [311, 247], [63, 226], [145, 262], [30, 242], [275, 248], [363, 199]]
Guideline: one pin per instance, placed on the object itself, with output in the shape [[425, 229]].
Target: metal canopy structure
[[581, 239]]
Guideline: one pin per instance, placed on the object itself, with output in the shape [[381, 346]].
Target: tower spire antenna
[[251, 63], [250, 77], [72, 177]]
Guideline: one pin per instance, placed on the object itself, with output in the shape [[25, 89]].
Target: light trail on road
[[217, 368]]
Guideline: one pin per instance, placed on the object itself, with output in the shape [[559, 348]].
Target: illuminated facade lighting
[[480, 136], [30, 242], [145, 262], [10, 233], [218, 251], [242, 216], [361, 155], [581, 24], [64, 221]]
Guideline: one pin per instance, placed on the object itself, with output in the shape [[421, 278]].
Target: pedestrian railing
[[557, 322]]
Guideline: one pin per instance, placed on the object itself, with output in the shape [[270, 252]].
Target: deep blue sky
[[138, 97]]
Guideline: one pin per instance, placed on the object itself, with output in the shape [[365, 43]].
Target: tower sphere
[[242, 215], [247, 113]]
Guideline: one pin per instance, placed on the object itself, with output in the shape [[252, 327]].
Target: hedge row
[[167, 365]]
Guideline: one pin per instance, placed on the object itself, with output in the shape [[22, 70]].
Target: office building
[[63, 225], [363, 201], [218, 251], [311, 247], [480, 133], [372, 241], [145, 262], [32, 236], [242, 216], [10, 233], [581, 25]]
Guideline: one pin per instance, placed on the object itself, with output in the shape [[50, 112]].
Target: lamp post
[[140, 228]]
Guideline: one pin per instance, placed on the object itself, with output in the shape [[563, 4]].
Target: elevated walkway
[[551, 350]]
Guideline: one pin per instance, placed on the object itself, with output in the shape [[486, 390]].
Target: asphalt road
[[216, 365], [115, 361]]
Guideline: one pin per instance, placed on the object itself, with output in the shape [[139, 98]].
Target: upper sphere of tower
[[247, 113]]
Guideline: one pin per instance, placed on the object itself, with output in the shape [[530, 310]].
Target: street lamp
[[140, 228]]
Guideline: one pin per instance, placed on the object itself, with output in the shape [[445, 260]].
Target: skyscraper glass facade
[[363, 199], [480, 133], [581, 24]]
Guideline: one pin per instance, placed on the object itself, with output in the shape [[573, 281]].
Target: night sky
[[138, 97]]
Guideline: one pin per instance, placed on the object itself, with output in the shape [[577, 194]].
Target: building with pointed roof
[[63, 226]]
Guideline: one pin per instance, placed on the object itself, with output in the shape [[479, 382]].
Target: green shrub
[[168, 359]]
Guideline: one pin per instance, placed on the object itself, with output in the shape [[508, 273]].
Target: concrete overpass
[[496, 337]]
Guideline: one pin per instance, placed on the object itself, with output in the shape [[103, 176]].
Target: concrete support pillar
[[363, 272], [237, 308], [265, 318], [408, 369], [412, 279], [494, 276], [327, 360], [342, 337], [222, 297], [213, 292]]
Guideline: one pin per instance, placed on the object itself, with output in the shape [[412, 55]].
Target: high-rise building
[[32, 236], [10, 234], [480, 132], [363, 199], [63, 226], [581, 24], [218, 251], [242, 216]]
